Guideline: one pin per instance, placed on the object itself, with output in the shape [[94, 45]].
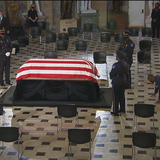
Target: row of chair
[[75, 135], [79, 136], [144, 53], [146, 31], [118, 37], [143, 139]]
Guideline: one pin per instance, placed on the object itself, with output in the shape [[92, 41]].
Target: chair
[[143, 140], [50, 54], [100, 58], [63, 36], [111, 27], [10, 134], [143, 111], [73, 31], [145, 45], [81, 45], [146, 32], [42, 25], [134, 32], [66, 112], [16, 48], [50, 38], [62, 45], [143, 57], [118, 37], [23, 42], [105, 37], [36, 32], [88, 27], [78, 136]]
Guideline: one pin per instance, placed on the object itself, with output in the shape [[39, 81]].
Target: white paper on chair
[[13, 51]]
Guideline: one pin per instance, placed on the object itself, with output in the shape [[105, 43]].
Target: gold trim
[[136, 26]]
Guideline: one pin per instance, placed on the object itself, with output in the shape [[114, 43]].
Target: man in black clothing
[[155, 24], [128, 46], [4, 24], [118, 75], [5, 51]]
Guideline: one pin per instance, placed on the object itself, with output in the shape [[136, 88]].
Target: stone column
[[3, 7], [56, 12]]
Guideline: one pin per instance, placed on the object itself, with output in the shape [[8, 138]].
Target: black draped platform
[[57, 90], [103, 101]]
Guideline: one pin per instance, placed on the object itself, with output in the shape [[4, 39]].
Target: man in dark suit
[[4, 23], [155, 15]]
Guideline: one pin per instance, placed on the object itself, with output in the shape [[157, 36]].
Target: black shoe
[[115, 114], [9, 83], [2, 84], [121, 111]]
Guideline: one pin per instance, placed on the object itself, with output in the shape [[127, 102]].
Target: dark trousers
[[4, 65], [119, 84], [155, 26], [129, 74]]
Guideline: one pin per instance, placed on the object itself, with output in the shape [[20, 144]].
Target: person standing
[[155, 24], [127, 46], [33, 17], [155, 79], [4, 23], [118, 75], [5, 52]]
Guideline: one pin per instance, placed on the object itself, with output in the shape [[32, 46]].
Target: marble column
[[56, 12], [3, 7]]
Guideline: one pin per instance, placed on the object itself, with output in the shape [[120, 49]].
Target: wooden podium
[[64, 24]]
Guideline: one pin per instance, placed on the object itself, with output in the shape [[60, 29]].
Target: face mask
[[0, 16], [125, 38], [32, 7], [157, 7]]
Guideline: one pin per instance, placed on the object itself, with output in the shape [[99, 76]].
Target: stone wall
[[56, 12], [47, 10], [101, 7]]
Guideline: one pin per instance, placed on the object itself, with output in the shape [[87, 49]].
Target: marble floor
[[111, 136]]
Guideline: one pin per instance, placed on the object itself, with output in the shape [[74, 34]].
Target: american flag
[[65, 68]]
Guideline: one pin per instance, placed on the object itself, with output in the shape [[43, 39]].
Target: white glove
[[8, 54]]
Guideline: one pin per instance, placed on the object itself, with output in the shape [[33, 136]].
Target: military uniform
[[128, 46], [5, 46], [118, 75]]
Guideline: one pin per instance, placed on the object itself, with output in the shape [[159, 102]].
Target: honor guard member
[[155, 79], [5, 51], [118, 75], [127, 46]]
